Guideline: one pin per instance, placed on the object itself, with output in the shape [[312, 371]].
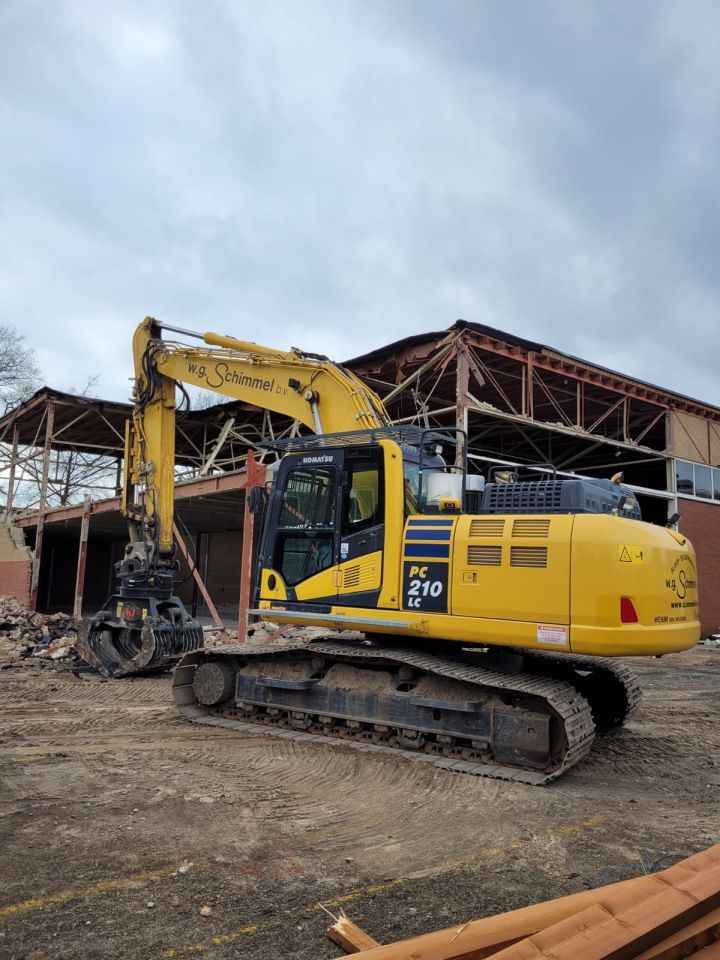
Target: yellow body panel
[[628, 640], [352, 576], [394, 523], [654, 567], [277, 591], [551, 582], [512, 568]]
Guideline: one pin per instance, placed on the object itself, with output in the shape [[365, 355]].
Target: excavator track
[[611, 688], [523, 727]]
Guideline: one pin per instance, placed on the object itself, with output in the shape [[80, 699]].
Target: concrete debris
[[713, 641], [26, 634], [257, 633], [206, 912], [47, 637], [267, 632]]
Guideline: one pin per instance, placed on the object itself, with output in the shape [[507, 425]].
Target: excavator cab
[[334, 523]]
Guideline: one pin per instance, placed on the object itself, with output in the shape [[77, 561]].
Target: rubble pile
[[258, 633], [26, 634], [267, 632]]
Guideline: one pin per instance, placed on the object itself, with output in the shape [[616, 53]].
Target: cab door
[[361, 527], [303, 532]]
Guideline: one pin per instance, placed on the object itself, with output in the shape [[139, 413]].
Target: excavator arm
[[311, 389], [323, 396]]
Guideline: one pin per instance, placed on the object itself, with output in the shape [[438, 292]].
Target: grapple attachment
[[138, 634]]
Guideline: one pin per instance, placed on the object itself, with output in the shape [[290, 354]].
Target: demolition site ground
[[120, 822]]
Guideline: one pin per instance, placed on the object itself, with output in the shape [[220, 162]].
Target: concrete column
[[42, 508], [82, 557]]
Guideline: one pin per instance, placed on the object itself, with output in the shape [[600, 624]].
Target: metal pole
[[49, 423], [199, 580], [246, 556], [11, 478], [462, 385], [198, 546], [530, 399], [82, 557]]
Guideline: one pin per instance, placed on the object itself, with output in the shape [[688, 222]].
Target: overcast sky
[[338, 174]]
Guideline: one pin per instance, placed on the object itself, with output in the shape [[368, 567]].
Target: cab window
[[362, 503], [306, 526]]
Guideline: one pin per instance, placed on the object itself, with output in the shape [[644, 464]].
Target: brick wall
[[700, 522], [15, 565]]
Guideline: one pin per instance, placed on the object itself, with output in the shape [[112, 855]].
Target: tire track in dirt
[[313, 796]]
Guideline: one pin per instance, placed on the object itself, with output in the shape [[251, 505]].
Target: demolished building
[[520, 402]]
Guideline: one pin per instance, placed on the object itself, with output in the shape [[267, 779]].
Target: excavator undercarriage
[[520, 717]]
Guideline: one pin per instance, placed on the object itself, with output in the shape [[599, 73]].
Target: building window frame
[[692, 471]]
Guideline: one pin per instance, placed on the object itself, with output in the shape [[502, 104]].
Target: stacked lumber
[[668, 915]]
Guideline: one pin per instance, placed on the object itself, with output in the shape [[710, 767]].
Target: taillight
[[628, 613]]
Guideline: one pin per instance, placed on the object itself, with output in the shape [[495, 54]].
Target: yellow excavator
[[472, 621]]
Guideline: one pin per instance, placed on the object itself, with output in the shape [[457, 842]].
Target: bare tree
[[203, 399], [74, 473], [71, 473], [19, 373]]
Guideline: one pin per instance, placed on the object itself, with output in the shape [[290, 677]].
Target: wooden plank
[[478, 939], [701, 933], [350, 936], [709, 953], [625, 923]]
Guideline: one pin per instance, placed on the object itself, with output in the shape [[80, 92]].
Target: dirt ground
[[119, 822]]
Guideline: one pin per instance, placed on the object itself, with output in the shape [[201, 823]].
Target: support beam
[[606, 414], [485, 375], [530, 411], [462, 385], [201, 583], [444, 349], [42, 510], [649, 427], [11, 477], [82, 557], [548, 393], [219, 443], [256, 474]]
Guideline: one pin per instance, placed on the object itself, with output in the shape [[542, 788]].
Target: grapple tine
[[119, 646]]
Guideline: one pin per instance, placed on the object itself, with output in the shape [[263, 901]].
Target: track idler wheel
[[213, 682]]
